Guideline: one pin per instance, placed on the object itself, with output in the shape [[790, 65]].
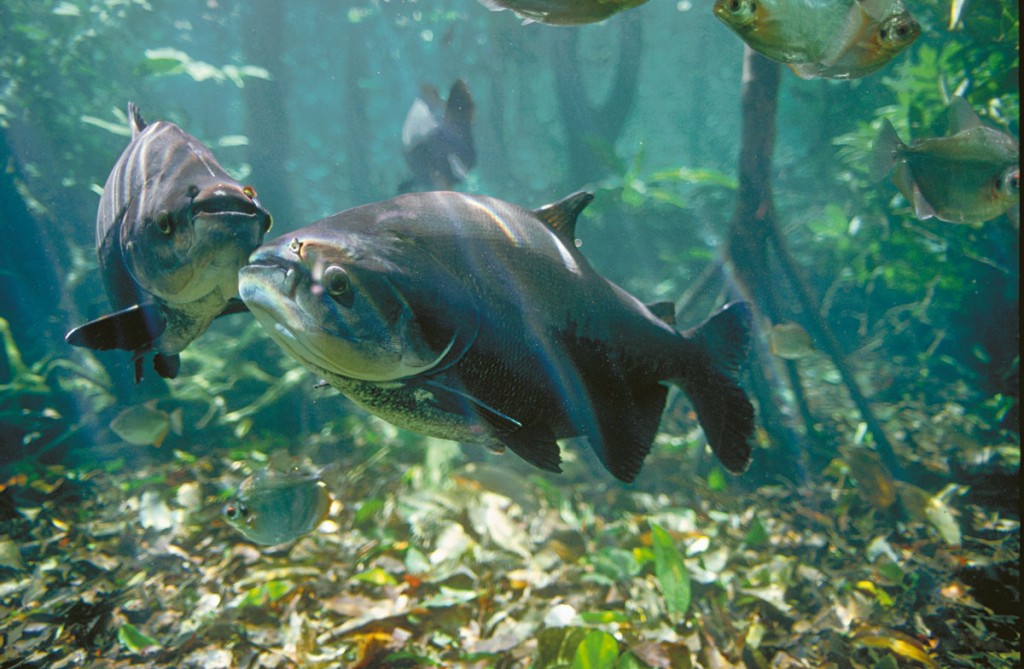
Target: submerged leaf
[[670, 572], [598, 650], [136, 641], [898, 642]]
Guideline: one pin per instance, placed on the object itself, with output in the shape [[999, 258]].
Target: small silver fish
[[273, 507], [790, 341], [970, 175], [145, 425]]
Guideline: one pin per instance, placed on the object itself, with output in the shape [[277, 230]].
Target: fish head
[[188, 225], [740, 15], [896, 31], [346, 306], [238, 515], [1008, 185]]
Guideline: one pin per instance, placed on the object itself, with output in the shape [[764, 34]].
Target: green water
[[878, 523]]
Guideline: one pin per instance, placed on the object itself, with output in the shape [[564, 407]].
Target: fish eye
[[192, 191], [236, 512], [295, 246], [164, 223], [249, 192], [337, 282]]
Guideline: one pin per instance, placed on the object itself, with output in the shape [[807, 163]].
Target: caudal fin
[[885, 151], [722, 407]]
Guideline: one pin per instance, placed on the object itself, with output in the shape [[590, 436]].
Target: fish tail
[[722, 407], [886, 150]]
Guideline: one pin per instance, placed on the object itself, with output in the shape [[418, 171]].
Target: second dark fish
[[437, 139]]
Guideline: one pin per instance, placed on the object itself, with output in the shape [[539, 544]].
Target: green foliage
[[671, 573], [170, 61], [136, 641], [598, 650]]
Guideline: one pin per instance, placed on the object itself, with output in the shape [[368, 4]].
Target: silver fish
[[273, 507]]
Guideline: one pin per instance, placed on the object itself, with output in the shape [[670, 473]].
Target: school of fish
[[469, 318]]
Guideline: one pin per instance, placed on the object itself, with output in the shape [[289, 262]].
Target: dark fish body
[[563, 12], [473, 319], [438, 138], [970, 175], [172, 230]]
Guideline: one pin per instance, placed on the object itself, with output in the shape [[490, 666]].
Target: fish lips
[[228, 202], [270, 288]]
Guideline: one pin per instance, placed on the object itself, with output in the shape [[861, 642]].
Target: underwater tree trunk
[[593, 129], [266, 118], [357, 140], [34, 247], [753, 270]]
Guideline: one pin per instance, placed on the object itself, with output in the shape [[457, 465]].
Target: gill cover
[[348, 313]]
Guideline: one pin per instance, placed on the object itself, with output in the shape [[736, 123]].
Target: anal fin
[[627, 427], [536, 445]]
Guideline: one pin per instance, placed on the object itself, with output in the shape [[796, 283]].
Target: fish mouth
[[225, 200], [270, 288]]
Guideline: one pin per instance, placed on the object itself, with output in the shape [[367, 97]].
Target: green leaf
[[603, 617], [135, 641], [367, 510], [264, 593], [598, 650], [757, 535], [670, 572], [717, 480], [556, 646], [376, 576]]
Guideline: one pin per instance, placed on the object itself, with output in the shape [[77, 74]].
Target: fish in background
[[172, 230], [970, 175], [789, 341], [437, 138], [272, 507], [562, 12], [146, 425], [469, 318], [832, 39]]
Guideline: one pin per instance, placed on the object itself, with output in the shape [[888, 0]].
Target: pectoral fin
[[131, 329], [536, 445]]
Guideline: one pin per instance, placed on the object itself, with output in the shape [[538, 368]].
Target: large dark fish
[[438, 138], [171, 232], [472, 319]]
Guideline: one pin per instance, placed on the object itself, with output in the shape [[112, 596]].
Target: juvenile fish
[[172, 230], [272, 507], [145, 425], [970, 175]]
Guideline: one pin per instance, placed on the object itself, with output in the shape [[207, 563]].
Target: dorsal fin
[[458, 110], [561, 216], [665, 311], [961, 116], [135, 119]]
